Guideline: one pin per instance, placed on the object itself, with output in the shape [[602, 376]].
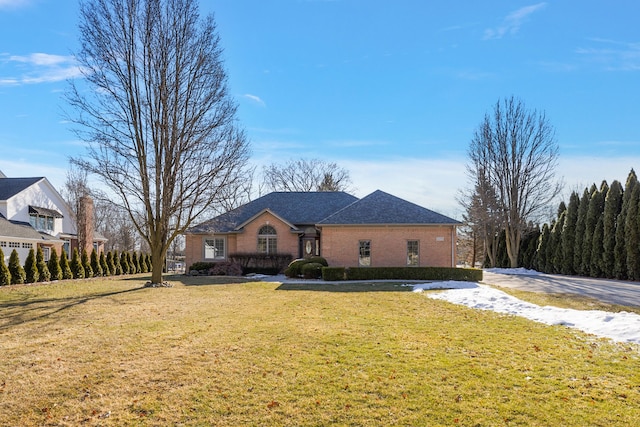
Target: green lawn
[[111, 352]]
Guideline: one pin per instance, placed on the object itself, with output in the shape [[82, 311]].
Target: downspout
[[453, 246]]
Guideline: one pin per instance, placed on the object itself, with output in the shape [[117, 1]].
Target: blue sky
[[392, 90]]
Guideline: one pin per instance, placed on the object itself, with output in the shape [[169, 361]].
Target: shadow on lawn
[[28, 310], [347, 287]]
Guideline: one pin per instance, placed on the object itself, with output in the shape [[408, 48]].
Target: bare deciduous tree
[[306, 175], [515, 152], [158, 121]]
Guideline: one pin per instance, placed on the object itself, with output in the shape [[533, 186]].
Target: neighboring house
[[379, 230], [32, 214]]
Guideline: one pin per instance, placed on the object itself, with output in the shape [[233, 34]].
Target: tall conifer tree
[[612, 207], [620, 267], [632, 235], [568, 238], [5, 275], [583, 208]]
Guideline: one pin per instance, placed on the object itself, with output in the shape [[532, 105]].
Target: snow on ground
[[623, 326]]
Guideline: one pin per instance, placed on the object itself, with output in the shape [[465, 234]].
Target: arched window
[[267, 240]]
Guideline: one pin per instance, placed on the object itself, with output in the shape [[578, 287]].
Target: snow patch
[[622, 327]]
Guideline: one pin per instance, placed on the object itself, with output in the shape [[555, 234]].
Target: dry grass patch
[[111, 352]]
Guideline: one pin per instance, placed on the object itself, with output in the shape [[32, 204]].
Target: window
[[14, 244], [267, 240], [27, 245], [66, 247], [364, 256], [41, 222], [46, 253], [413, 252], [3, 244], [214, 248]]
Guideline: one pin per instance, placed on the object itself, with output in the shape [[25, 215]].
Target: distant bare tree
[[516, 153], [306, 175], [159, 123]]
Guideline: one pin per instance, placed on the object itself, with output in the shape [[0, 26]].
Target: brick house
[[379, 230], [33, 214]]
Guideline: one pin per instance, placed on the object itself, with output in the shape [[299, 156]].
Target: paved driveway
[[610, 291]]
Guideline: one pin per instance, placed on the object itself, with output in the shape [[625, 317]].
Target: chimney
[[85, 224]]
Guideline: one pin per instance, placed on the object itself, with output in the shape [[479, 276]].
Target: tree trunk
[[513, 245]]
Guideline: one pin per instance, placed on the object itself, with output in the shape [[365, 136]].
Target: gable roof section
[[18, 229], [380, 208], [9, 187], [298, 208]]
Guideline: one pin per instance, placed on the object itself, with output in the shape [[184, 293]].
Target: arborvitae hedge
[[632, 235], [86, 264], [43, 269], [18, 275], [104, 265], [124, 263], [54, 265], [111, 263], [95, 264], [64, 266], [5, 275], [612, 207], [31, 268], [76, 265]]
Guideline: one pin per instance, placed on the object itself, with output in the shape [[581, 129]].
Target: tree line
[[595, 234], [80, 266]]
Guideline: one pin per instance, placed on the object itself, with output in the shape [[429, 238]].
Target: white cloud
[[255, 99], [6, 4], [40, 68], [512, 22]]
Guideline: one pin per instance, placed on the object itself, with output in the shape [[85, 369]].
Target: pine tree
[[132, 268], [589, 227], [116, 264], [612, 207], [596, 267], [556, 239], [620, 251], [43, 269], [632, 235], [86, 264], [54, 265], [595, 212], [135, 262], [111, 263], [64, 266], [5, 275], [583, 208], [18, 275], [104, 264], [95, 264], [143, 263], [31, 268], [76, 265], [541, 253], [568, 238], [124, 263]]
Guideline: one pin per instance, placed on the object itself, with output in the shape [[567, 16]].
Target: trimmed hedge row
[[401, 273]]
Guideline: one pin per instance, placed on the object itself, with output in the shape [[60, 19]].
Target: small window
[[364, 256], [66, 246], [413, 252], [267, 240], [214, 248], [14, 244], [46, 253]]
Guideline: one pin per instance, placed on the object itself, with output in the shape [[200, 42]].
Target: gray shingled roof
[[382, 208], [9, 187], [18, 229], [298, 208]]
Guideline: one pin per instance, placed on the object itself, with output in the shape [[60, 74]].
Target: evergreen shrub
[[18, 275], [5, 275], [54, 265], [43, 269], [31, 267]]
